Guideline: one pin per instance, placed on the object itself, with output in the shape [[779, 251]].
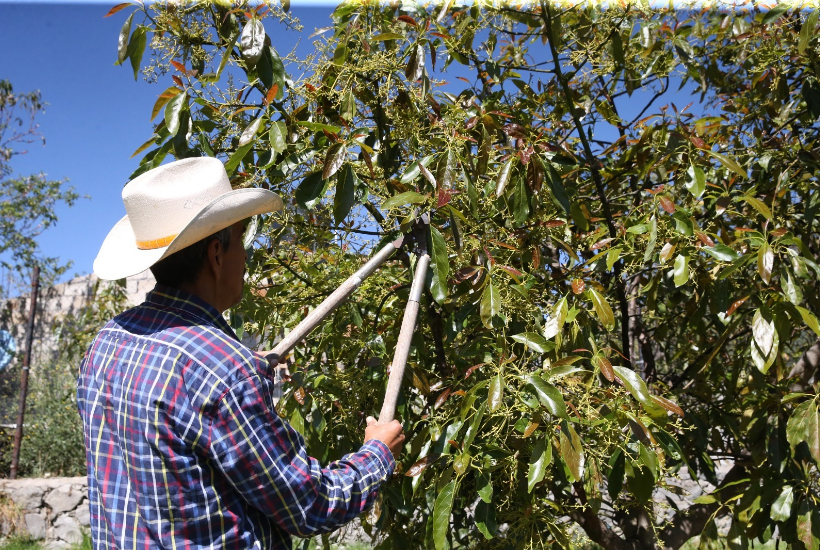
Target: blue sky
[[97, 114]]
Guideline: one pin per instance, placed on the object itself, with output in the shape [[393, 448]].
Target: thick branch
[[596, 529], [806, 368], [596, 177], [690, 522]]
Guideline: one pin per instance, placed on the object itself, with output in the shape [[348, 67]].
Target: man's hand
[[391, 434]]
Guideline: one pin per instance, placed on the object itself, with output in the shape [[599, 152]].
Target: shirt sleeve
[[265, 459]]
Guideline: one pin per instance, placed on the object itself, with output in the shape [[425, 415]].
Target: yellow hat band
[[156, 243]]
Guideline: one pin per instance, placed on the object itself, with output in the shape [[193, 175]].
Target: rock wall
[[54, 510]]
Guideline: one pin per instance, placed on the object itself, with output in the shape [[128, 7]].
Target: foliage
[[27, 203], [53, 437], [601, 257]]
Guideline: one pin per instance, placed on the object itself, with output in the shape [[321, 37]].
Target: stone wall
[[54, 510]]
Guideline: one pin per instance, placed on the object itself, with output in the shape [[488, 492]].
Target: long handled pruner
[[418, 235]]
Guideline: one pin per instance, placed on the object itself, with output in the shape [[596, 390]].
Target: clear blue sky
[[97, 114]]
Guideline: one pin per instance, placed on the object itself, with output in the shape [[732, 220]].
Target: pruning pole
[[18, 432], [408, 327], [331, 303]]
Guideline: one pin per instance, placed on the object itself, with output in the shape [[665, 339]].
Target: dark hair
[[183, 266]]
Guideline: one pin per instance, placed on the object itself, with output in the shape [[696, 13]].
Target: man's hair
[[183, 266]]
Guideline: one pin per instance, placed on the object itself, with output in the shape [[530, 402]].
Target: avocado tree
[[623, 278]]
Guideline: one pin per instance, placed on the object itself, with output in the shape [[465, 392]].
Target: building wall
[[53, 304]]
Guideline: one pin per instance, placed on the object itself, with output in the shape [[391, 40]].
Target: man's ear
[[216, 257]]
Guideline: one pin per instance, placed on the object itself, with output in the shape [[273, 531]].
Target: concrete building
[[53, 304]]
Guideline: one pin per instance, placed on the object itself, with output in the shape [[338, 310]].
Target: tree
[[27, 203], [621, 289]]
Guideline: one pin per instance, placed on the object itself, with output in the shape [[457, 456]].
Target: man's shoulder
[[208, 350]]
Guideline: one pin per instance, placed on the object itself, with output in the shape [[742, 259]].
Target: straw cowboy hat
[[174, 206]]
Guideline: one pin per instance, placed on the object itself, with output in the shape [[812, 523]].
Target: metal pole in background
[[18, 432]]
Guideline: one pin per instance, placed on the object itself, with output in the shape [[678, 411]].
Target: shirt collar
[[166, 296]]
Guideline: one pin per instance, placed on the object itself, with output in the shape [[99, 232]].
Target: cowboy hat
[[174, 206]]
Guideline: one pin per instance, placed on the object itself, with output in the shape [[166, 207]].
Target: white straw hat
[[174, 206]]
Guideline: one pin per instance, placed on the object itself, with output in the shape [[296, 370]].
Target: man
[[184, 448]]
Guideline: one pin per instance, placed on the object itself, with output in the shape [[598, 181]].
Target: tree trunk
[[806, 368]]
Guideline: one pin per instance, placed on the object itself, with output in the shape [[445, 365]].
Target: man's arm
[[265, 459]]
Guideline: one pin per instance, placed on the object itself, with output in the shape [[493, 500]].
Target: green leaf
[[122, 43], [695, 181], [809, 319], [808, 524], [807, 31], [548, 395], [572, 452], [495, 393], [472, 429], [759, 206], [683, 224], [728, 163], [602, 309], [791, 288], [311, 190], [681, 270], [413, 170], [387, 36], [650, 245], [638, 229], [277, 134], [534, 341], [485, 486], [249, 133], [615, 479], [347, 109], [637, 387], [782, 507], [440, 262], [763, 332], [721, 252], [136, 47], [485, 518], [252, 41], [540, 459], [172, 111], [804, 426], [446, 169], [504, 176], [334, 159], [559, 193], [408, 197], [271, 71], [765, 262], [441, 515], [773, 15], [345, 193], [490, 305], [236, 157], [556, 321]]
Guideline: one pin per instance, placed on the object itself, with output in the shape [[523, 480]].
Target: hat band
[[156, 243]]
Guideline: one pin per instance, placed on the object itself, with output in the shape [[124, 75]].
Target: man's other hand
[[391, 434]]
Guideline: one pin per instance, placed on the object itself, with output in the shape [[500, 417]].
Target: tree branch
[[806, 368], [596, 176], [690, 522]]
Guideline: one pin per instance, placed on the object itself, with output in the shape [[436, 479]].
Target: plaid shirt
[[185, 449]]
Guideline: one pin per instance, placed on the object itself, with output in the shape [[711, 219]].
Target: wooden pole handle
[[329, 304], [408, 327]]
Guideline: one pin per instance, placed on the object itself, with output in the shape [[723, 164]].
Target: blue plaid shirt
[[185, 449]]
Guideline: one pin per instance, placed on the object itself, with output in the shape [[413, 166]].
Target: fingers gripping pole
[[408, 326], [330, 303]]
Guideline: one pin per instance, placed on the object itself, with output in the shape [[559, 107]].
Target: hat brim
[[119, 256]]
